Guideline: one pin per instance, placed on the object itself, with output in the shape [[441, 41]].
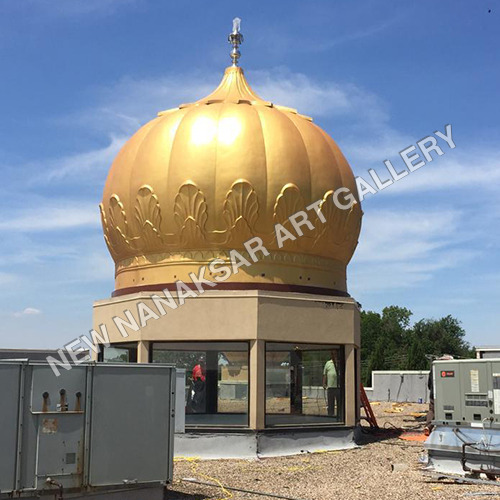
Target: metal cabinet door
[[53, 440], [447, 391], [60, 449], [131, 428]]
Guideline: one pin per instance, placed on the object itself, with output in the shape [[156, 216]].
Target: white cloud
[[316, 98], [83, 164], [369, 144], [123, 107], [29, 252], [456, 169], [29, 311], [400, 250], [52, 217], [94, 266], [386, 276], [388, 235]]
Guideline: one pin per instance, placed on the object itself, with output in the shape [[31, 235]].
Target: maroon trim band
[[272, 287]]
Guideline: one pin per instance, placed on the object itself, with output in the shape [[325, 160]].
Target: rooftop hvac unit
[[95, 427], [466, 434]]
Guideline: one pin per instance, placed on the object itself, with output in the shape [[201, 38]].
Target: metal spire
[[235, 39]]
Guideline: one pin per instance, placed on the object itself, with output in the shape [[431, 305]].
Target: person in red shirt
[[199, 370], [198, 387]]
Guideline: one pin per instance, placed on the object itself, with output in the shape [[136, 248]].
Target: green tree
[[381, 339], [389, 342], [370, 332], [416, 359], [443, 336]]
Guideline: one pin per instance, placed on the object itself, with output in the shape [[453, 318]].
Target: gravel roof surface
[[360, 473]]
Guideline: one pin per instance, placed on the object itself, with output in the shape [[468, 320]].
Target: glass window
[[118, 353], [216, 379], [304, 384]]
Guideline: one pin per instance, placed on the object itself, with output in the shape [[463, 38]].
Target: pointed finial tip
[[236, 25], [235, 38]]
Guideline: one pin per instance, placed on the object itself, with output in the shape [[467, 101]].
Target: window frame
[[131, 347], [218, 346], [341, 348]]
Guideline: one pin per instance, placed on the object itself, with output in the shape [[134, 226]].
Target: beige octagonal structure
[[271, 347]]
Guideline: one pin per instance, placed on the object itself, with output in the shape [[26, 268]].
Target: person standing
[[199, 370], [198, 390], [330, 384]]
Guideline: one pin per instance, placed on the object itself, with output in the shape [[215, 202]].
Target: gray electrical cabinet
[[465, 438], [467, 392], [98, 425]]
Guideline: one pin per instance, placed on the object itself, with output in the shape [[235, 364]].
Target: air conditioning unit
[[466, 433], [96, 427]]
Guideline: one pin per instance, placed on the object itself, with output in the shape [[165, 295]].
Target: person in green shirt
[[330, 384]]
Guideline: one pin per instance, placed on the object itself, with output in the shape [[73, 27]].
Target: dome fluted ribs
[[203, 179], [266, 162], [185, 185], [306, 149], [345, 172]]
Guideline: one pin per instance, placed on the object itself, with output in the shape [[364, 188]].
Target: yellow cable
[[194, 461]]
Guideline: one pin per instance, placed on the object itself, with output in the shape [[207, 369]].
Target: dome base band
[[272, 287]]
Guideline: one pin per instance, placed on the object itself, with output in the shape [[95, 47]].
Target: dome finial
[[235, 38]]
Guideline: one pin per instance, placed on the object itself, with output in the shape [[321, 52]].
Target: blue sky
[[80, 76]]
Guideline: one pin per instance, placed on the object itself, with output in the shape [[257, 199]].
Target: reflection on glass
[[195, 365], [216, 379], [232, 394], [304, 384], [119, 354], [278, 377]]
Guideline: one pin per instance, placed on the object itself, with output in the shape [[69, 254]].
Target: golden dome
[[201, 179]]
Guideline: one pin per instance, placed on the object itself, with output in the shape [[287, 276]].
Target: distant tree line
[[388, 342]]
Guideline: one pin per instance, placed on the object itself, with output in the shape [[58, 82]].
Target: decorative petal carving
[[117, 231], [148, 215], [288, 202], [105, 228], [353, 228], [341, 227], [241, 210], [190, 213]]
